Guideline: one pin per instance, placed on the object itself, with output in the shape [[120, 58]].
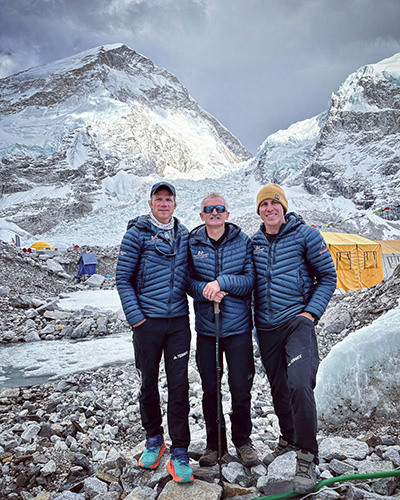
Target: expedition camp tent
[[87, 264], [39, 245], [390, 256], [358, 261]]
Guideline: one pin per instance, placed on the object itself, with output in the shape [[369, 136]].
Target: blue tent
[[87, 264]]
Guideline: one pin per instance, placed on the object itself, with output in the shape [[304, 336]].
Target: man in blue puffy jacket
[[295, 281], [152, 278], [222, 271]]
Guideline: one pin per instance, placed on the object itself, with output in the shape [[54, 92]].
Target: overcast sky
[[256, 65]]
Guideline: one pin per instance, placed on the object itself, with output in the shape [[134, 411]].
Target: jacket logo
[[323, 248], [154, 240], [258, 249], [201, 255]]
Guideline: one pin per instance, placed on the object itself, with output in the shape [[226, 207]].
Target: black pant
[[239, 357], [150, 339], [290, 356]]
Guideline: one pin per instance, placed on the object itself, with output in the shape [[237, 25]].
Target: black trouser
[[290, 356], [239, 357], [150, 339]]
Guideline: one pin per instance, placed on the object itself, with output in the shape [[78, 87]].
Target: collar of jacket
[[200, 235], [144, 222], [293, 221]]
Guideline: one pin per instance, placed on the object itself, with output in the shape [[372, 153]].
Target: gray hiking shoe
[[208, 458], [305, 479], [248, 455], [281, 448]]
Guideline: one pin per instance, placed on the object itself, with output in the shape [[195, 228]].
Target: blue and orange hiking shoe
[[178, 466], [155, 447]]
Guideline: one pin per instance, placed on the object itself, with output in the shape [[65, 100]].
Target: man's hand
[[307, 315], [219, 296], [140, 323], [212, 291]]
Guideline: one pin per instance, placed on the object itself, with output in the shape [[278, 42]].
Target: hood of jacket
[[292, 220]]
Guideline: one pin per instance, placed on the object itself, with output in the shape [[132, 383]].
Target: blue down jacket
[[151, 284], [231, 265], [294, 273]]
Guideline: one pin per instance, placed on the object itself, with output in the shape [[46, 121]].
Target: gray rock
[[93, 487], [328, 494], [130, 478], [54, 266], [9, 392], [283, 467], [392, 454], [198, 490], [234, 472], [83, 329], [340, 468], [142, 493], [31, 313], [384, 486], [111, 495], [95, 281], [374, 464], [49, 468], [31, 431], [342, 448], [48, 329], [67, 495], [32, 336]]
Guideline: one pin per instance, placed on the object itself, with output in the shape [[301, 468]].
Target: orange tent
[[41, 245], [358, 261]]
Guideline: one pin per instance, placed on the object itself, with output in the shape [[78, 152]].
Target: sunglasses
[[172, 253], [208, 209]]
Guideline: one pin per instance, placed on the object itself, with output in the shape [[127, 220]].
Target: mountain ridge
[[69, 166]]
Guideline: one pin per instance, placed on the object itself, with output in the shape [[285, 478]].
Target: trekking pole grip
[[216, 307]]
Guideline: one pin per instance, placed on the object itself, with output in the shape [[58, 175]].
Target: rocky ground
[[80, 437]]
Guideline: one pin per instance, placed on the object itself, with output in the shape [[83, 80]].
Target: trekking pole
[[218, 364]]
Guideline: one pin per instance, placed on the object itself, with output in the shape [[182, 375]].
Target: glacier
[[359, 370]]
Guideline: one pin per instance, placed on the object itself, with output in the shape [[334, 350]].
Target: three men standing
[[296, 278], [289, 266], [152, 278], [222, 271]]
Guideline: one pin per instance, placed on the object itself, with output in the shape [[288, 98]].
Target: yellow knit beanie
[[273, 192]]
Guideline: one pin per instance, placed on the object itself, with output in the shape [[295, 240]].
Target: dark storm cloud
[[256, 65]]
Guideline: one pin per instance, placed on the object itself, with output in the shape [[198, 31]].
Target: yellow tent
[[41, 244], [390, 256], [358, 261]]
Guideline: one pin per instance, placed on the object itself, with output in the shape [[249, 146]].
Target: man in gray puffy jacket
[[295, 281], [222, 271], [152, 278]]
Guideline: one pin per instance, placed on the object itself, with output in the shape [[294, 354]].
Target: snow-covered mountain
[[84, 138], [352, 150], [108, 113]]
